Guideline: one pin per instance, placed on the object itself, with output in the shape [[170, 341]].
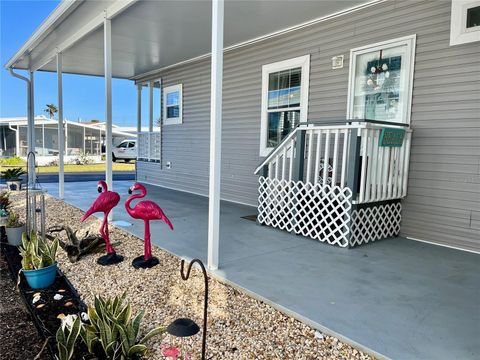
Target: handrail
[[300, 127]]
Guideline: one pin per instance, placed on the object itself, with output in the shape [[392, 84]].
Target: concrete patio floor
[[397, 298]]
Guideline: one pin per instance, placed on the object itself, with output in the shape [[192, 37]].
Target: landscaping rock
[[240, 327]]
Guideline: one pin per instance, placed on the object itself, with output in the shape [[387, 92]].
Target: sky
[[83, 96]]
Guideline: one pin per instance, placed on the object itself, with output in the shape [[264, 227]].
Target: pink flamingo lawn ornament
[[105, 202], [145, 210]]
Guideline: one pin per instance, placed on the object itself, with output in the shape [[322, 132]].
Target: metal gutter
[[65, 7]]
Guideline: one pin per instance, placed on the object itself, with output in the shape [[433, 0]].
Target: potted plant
[[38, 260], [12, 178], [15, 228]]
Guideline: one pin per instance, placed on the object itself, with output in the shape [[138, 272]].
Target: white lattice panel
[[375, 223], [143, 145], [319, 212], [155, 145]]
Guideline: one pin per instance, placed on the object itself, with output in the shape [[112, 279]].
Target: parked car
[[126, 151]]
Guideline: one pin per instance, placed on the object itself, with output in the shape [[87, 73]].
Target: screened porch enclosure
[[79, 139]]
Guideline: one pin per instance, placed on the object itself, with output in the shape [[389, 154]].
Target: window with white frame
[[381, 79], [172, 105], [465, 22], [284, 100]]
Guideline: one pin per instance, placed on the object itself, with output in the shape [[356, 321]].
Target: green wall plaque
[[391, 137]]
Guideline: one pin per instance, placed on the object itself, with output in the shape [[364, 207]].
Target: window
[[381, 79], [172, 105], [284, 100], [465, 22]]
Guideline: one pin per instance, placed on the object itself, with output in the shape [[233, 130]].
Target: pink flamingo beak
[[99, 189]]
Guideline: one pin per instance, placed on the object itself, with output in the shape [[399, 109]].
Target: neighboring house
[[407, 65], [81, 138]]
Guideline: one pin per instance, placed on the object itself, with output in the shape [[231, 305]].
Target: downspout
[[31, 124]]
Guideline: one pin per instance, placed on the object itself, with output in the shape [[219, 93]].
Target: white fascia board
[[110, 12], [42, 30]]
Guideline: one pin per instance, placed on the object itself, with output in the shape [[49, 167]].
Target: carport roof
[[149, 35]]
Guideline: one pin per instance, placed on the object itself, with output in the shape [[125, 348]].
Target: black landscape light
[[184, 327]]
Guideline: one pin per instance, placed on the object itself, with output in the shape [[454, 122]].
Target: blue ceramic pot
[[41, 278]]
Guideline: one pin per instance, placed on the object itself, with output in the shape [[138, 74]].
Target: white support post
[[43, 139], [107, 31], [150, 106], [215, 133], [66, 136], [31, 129], [17, 139], [139, 108]]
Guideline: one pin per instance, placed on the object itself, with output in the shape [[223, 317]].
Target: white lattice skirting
[[375, 223], [321, 213]]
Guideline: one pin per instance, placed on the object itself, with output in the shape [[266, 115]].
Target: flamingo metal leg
[[146, 260]]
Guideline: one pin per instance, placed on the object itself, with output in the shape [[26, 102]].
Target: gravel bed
[[240, 327]]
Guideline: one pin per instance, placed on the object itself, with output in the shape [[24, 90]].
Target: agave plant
[[113, 331], [36, 253], [13, 174]]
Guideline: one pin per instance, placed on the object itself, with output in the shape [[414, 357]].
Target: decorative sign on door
[[391, 137]]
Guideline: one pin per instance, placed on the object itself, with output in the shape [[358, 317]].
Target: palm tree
[[51, 110]]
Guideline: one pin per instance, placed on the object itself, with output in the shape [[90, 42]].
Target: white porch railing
[[149, 146], [325, 161], [384, 170]]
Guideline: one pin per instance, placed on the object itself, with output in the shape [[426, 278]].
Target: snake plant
[[36, 253], [114, 331], [67, 335]]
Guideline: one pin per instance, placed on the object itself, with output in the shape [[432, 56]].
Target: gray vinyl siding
[[443, 202]]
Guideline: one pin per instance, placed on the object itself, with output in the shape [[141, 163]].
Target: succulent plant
[[36, 253], [13, 220], [67, 335], [113, 329]]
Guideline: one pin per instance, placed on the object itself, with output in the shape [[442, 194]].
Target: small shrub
[[53, 163], [83, 159], [12, 161]]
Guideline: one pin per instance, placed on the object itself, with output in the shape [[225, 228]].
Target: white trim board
[[443, 245], [144, 76], [459, 33], [410, 42], [42, 30], [167, 90], [304, 63]]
